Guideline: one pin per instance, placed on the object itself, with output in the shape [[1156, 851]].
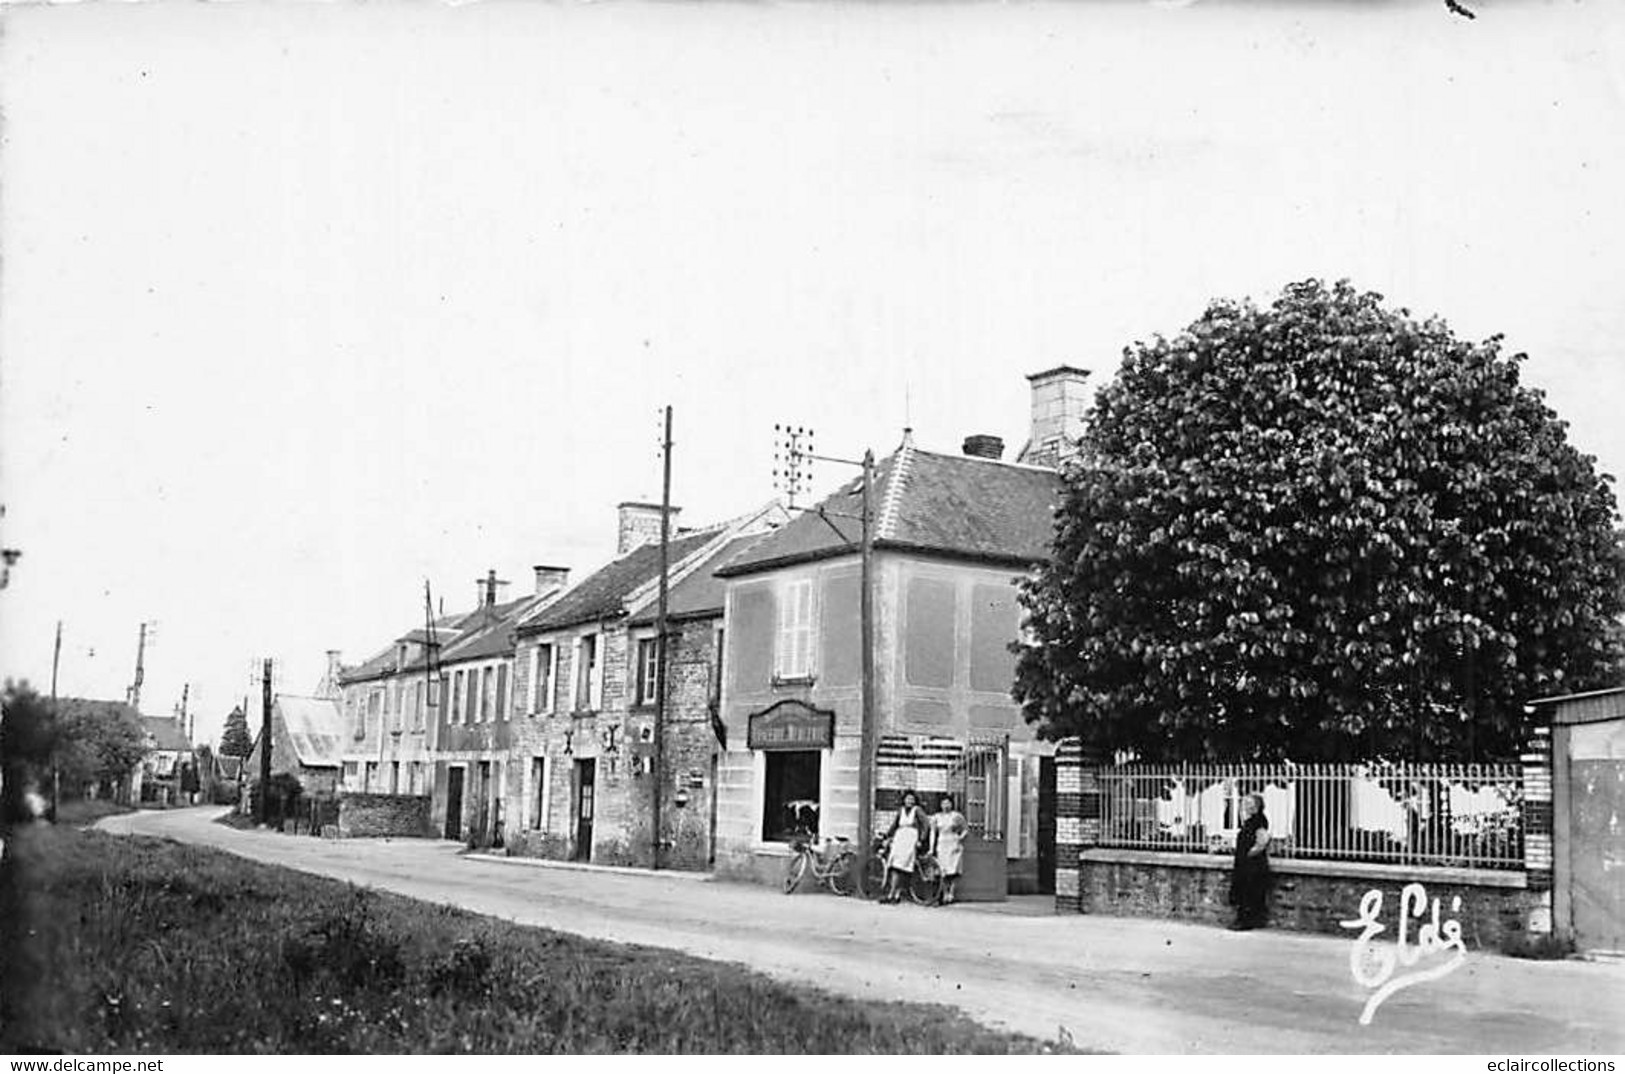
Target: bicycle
[[831, 867], [924, 884]]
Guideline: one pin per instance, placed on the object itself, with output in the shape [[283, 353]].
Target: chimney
[[550, 579], [639, 524], [486, 595], [983, 446], [1059, 403]]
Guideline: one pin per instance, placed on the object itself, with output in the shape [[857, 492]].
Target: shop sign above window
[[791, 725]]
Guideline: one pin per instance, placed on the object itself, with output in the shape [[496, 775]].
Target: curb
[[588, 867]]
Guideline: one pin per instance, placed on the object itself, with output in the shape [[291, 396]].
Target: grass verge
[[83, 811], [138, 945]]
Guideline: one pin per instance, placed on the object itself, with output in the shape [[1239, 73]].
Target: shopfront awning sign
[[791, 725]]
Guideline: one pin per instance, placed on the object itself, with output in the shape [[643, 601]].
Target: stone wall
[[372, 815]]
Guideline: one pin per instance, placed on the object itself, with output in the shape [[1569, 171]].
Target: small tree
[[28, 738], [98, 745], [1320, 530], [236, 742]]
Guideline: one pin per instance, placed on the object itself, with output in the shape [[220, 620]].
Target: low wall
[[1496, 908], [373, 815]]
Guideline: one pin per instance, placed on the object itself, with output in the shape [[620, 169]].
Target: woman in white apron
[[903, 838], [948, 844]]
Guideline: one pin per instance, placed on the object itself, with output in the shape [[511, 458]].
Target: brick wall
[[371, 815]]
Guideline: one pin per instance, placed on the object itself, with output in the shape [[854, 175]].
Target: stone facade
[[550, 748]]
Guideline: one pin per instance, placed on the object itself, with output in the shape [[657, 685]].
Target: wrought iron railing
[[1464, 815]]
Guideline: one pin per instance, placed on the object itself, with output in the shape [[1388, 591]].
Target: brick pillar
[[1077, 820], [1537, 827]]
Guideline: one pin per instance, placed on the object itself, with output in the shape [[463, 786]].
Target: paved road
[[1119, 984]]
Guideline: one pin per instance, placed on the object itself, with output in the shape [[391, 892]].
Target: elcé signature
[[1374, 965]]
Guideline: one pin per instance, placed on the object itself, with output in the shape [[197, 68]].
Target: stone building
[[952, 537], [472, 729], [581, 756]]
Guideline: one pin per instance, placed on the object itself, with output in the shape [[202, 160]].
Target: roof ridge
[[1012, 463], [902, 462]]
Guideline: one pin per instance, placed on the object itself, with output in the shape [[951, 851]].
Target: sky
[[303, 304]]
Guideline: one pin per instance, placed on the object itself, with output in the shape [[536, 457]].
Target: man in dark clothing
[[1249, 879]]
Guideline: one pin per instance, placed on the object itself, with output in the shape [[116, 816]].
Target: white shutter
[[602, 658], [794, 647], [547, 791]]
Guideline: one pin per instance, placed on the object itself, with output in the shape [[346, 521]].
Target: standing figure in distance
[[1250, 877], [948, 844]]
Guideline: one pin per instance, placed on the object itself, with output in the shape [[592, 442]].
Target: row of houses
[[529, 723]]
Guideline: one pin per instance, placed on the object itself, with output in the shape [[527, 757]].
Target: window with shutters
[[794, 649], [457, 699], [586, 674], [648, 670], [502, 690], [542, 699], [471, 703]]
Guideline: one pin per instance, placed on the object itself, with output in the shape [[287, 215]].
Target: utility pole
[[265, 747], [56, 771], [660, 633], [796, 460], [866, 736], [431, 656], [133, 694]]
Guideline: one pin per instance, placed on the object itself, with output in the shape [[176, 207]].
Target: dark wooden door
[[1046, 825], [585, 772], [454, 803]]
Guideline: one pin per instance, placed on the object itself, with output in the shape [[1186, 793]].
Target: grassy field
[[139, 945]]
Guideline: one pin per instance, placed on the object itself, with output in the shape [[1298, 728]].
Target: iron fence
[[1413, 814]]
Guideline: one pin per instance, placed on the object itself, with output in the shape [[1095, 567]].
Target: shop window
[[790, 804]]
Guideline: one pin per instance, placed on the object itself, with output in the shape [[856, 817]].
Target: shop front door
[[586, 770]]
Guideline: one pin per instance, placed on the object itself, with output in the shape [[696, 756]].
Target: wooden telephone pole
[[660, 634]]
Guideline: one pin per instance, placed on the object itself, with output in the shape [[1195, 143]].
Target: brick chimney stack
[[639, 524], [983, 446], [1060, 400], [550, 579]]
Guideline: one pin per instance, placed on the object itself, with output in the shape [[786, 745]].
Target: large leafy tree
[[1321, 530]]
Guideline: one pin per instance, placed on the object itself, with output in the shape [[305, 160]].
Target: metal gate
[[979, 782]]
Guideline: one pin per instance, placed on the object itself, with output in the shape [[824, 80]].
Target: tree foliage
[[1323, 530], [236, 741], [98, 743]]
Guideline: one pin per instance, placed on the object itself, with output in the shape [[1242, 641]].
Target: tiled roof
[[958, 505], [602, 594], [167, 733], [702, 592], [315, 727], [489, 632]]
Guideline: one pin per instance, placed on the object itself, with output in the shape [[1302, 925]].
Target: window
[[794, 649], [395, 707], [372, 776], [502, 690], [542, 699], [488, 683], [394, 777], [790, 805], [471, 703], [648, 670], [358, 717], [586, 675], [457, 700], [417, 706], [537, 788], [351, 770], [714, 696]]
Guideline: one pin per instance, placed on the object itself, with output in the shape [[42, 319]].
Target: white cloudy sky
[[304, 303]]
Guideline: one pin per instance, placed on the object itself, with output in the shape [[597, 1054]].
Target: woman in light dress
[[903, 838], [948, 844]]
